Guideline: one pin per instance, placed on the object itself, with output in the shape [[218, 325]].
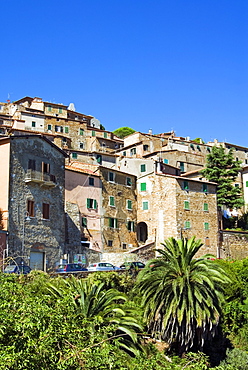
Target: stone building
[[174, 206], [32, 199]]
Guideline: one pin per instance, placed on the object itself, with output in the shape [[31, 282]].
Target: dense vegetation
[[123, 132], [118, 321]]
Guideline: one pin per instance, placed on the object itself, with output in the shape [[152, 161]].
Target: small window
[[198, 147], [31, 164], [66, 129], [81, 145], [185, 185], [124, 153], [133, 151], [33, 124], [91, 203], [91, 181], [113, 223], [130, 225], [93, 133], [49, 127], [206, 226], [84, 222], [105, 135], [129, 204], [208, 149], [145, 147], [192, 146], [112, 201], [205, 206], [236, 185], [142, 168], [187, 225], [30, 208], [110, 243], [237, 159], [166, 161], [60, 110], [45, 167], [145, 206], [74, 155], [49, 108], [143, 186], [186, 204], [81, 131], [46, 211], [124, 246], [99, 158], [111, 177], [204, 188], [128, 181], [246, 184], [182, 166]]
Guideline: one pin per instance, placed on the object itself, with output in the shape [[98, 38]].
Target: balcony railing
[[41, 178]]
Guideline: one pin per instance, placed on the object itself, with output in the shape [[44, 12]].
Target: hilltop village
[[72, 191]]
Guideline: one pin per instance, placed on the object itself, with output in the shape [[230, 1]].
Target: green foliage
[[223, 169], [235, 359], [102, 127], [198, 140], [243, 221], [182, 295], [123, 132]]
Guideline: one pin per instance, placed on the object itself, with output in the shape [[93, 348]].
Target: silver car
[[102, 266]]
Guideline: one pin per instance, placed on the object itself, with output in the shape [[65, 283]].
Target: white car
[[102, 266]]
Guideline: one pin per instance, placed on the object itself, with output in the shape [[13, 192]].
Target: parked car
[[132, 265], [17, 269], [70, 267], [102, 266]]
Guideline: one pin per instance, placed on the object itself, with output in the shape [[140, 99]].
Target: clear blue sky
[[161, 64]]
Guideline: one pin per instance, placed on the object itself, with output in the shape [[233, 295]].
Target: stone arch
[[142, 232]]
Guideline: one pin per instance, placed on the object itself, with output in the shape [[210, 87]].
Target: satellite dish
[[72, 107]]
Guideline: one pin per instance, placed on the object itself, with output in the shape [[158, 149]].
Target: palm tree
[[182, 294], [102, 308]]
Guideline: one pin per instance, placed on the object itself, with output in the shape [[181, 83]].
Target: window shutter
[[95, 204], [205, 207], [143, 186], [186, 204], [88, 203]]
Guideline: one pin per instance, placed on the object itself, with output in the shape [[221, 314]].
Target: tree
[[182, 294], [123, 132], [198, 140], [223, 169]]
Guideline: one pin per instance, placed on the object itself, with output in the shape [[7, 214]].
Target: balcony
[[44, 179]]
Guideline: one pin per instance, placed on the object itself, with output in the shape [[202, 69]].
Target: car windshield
[[10, 268]]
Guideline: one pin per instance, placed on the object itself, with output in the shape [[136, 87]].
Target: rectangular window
[[204, 188], [205, 206], [60, 110], [206, 226], [45, 167], [186, 185], [30, 208], [91, 203], [142, 168], [129, 204], [143, 186], [31, 164], [181, 166], [33, 123], [81, 145], [99, 158], [187, 225], [105, 135], [91, 181], [145, 147], [112, 201], [81, 131], [49, 127], [49, 108], [84, 222], [111, 176], [110, 243], [186, 204], [46, 211], [124, 153], [113, 222], [246, 184], [145, 206], [128, 181], [124, 246], [130, 225], [166, 161], [74, 155], [66, 129], [133, 151], [93, 133]]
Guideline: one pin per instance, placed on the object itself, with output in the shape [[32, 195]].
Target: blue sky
[[160, 65]]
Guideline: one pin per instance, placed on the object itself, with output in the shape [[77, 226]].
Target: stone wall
[[233, 244]]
